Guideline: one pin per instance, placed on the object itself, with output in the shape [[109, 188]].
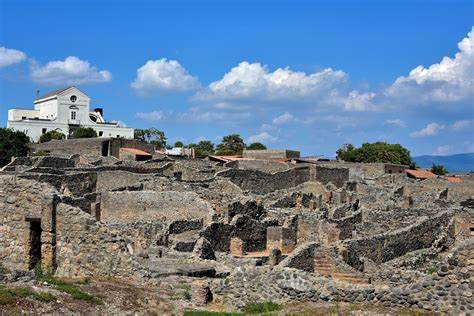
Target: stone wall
[[21, 203], [270, 154], [268, 166], [302, 258], [261, 182], [86, 247], [109, 180], [384, 247], [324, 175], [168, 206]]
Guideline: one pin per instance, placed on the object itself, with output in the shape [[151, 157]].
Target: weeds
[[67, 287], [206, 313], [432, 269], [259, 308], [11, 296]]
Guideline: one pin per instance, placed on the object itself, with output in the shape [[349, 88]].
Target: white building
[[63, 111]]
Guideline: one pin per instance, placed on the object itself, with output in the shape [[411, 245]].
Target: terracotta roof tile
[[136, 151], [420, 174], [454, 179]]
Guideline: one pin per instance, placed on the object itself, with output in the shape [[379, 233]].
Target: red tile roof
[[53, 93], [136, 151], [454, 179], [420, 174], [229, 158]]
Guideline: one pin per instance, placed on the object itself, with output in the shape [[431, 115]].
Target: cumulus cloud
[[356, 101], [153, 116], [450, 80], [443, 150], [70, 71], [253, 80], [263, 137], [10, 57], [462, 124], [397, 123], [163, 76], [198, 116], [283, 119], [431, 129]]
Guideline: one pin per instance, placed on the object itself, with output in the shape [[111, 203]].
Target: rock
[[201, 293], [203, 250], [467, 294], [274, 257]]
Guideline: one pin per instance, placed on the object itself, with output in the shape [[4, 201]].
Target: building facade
[[63, 111]]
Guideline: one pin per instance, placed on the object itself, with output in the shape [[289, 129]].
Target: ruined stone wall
[[337, 176], [131, 206], [270, 154], [86, 247], [384, 247], [109, 180], [268, 166], [261, 182], [21, 201], [73, 184]]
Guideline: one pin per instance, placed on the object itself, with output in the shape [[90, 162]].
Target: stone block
[[237, 247], [283, 238]]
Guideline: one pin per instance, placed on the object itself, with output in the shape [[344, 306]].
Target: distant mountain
[[454, 163]]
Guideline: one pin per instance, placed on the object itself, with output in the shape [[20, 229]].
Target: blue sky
[[305, 75]]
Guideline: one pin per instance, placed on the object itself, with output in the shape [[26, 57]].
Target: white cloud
[[198, 116], [450, 80], [356, 101], [263, 137], [268, 127], [162, 76], [10, 56], [396, 122], [153, 116], [252, 80], [443, 150], [462, 124], [68, 72], [283, 119], [431, 129]]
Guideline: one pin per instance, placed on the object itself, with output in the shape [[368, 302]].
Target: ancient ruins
[[244, 231]]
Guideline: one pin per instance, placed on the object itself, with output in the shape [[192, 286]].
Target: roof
[[420, 174], [454, 179], [53, 93], [307, 160], [136, 151], [281, 159]]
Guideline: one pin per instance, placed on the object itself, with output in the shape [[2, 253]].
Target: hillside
[[454, 163]]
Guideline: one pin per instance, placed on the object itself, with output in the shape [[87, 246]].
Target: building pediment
[[66, 93]]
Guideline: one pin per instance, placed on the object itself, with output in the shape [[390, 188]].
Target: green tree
[[12, 144], [439, 170], [84, 132], [375, 152], [152, 136], [256, 146], [231, 145], [46, 137], [178, 144], [203, 149]]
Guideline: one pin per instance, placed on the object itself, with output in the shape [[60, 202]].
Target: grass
[[432, 269], [254, 308], [67, 287], [259, 308], [3, 270], [11, 296], [206, 313]]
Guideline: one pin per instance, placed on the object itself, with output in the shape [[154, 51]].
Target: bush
[[256, 146], [12, 144], [439, 170], [46, 137], [84, 132]]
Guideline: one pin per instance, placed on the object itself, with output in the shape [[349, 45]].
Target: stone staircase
[[325, 265]]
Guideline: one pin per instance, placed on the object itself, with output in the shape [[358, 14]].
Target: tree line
[[15, 144]]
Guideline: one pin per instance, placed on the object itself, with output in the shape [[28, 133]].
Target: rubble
[[251, 231]]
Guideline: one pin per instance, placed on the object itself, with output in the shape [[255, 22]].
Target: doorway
[[34, 243]]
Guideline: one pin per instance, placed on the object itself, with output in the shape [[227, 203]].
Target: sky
[[303, 75]]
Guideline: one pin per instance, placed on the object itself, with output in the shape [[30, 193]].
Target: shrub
[[12, 144], [46, 137], [84, 132], [439, 170]]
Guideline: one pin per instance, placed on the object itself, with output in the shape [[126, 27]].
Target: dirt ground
[[167, 296]]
